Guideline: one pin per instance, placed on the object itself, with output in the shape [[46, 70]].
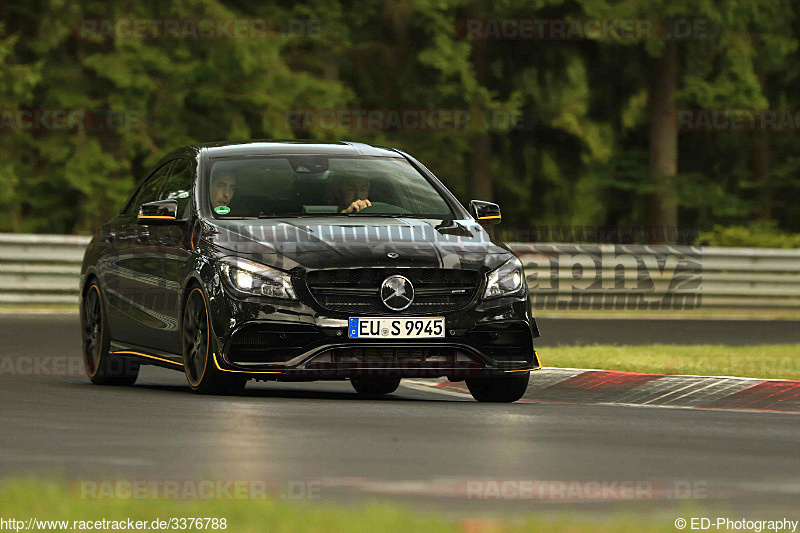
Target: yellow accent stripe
[[491, 217], [157, 216], [147, 356], [536, 354], [240, 371]]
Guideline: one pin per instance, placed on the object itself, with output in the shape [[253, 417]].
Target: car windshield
[[290, 186]]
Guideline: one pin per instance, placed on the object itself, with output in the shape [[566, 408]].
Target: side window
[[148, 192], [179, 185]]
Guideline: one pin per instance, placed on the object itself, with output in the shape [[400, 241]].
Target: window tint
[[179, 185], [322, 185], [149, 191]]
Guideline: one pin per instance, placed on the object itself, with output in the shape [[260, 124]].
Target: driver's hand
[[357, 206]]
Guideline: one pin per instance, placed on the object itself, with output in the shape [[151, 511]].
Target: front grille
[[357, 290], [271, 343]]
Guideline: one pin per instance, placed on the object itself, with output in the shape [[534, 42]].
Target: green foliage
[[57, 500], [758, 235], [172, 92], [577, 155]]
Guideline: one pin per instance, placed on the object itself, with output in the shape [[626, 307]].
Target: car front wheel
[[201, 372], [502, 389]]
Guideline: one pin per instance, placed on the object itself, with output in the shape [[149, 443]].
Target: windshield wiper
[[444, 219], [385, 215], [296, 215], [401, 215]]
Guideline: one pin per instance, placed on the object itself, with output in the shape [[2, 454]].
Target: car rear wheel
[[375, 386], [201, 372], [503, 389], [101, 367]]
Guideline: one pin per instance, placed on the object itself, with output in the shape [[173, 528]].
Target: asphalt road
[[419, 447]]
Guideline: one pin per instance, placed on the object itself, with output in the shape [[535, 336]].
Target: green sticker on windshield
[[222, 210]]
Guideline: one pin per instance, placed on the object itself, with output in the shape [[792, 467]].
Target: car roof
[[267, 147]]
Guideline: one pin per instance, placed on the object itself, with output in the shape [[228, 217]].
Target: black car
[[299, 261]]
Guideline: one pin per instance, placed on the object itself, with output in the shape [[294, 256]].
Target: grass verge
[[770, 361], [27, 499]]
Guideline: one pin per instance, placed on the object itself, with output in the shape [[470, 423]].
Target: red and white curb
[[583, 386]]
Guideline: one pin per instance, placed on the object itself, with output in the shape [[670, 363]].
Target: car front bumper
[[289, 340]]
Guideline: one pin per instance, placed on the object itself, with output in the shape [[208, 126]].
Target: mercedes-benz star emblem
[[397, 293]]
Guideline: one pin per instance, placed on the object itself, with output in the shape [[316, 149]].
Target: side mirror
[[160, 211], [485, 211]]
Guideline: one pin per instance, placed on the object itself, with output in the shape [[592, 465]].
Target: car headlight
[[254, 278], [506, 279]]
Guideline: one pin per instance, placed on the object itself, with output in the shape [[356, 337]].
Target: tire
[[375, 386], [503, 389], [196, 340], [101, 367]]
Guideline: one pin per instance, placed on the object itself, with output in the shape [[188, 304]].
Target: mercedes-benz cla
[[298, 261]]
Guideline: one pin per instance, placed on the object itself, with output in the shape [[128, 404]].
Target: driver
[[223, 187], [349, 193]]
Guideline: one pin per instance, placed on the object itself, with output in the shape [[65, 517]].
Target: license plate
[[396, 328]]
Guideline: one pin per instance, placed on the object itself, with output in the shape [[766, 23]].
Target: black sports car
[[300, 261]]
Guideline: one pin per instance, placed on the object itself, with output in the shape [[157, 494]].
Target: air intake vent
[[271, 343]]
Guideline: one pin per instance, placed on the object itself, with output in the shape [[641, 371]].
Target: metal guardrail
[[610, 277], [44, 269], [40, 269]]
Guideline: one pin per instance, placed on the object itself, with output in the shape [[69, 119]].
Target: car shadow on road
[[280, 391]]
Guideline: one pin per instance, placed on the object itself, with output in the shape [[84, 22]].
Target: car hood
[[346, 242]]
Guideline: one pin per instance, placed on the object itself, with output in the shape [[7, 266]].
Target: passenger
[[223, 187], [349, 193]]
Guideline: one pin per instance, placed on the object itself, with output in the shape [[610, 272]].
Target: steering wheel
[[382, 208]]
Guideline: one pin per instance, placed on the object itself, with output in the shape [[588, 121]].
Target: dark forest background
[[593, 140]]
